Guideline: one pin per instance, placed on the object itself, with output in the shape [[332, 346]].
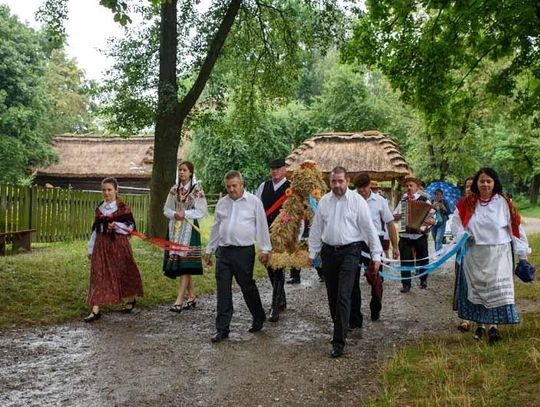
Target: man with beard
[[341, 223]]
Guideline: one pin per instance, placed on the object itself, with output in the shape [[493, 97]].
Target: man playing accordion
[[416, 216]]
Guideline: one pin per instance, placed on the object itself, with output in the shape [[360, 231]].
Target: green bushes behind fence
[[58, 214]]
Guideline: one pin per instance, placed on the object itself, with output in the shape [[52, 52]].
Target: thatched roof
[[368, 151], [91, 156]]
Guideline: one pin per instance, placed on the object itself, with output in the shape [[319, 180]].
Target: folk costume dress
[[485, 285], [113, 274], [191, 199]]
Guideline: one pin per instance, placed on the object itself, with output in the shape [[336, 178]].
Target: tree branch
[[216, 45]]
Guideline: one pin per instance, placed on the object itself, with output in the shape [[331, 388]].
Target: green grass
[[527, 209], [50, 284], [454, 370]]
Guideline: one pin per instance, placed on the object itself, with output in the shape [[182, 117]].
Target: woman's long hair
[[490, 172]]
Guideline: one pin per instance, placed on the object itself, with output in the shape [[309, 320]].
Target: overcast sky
[[88, 27]]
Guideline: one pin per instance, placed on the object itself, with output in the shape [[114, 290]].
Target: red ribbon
[[159, 242], [276, 204]]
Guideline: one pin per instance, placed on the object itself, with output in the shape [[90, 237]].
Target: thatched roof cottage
[[369, 151], [85, 160]]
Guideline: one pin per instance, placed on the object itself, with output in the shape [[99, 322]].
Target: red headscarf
[[467, 206]]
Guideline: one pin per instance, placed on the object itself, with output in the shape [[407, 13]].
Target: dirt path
[[155, 357]]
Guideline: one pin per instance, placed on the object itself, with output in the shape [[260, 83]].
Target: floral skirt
[[113, 274]]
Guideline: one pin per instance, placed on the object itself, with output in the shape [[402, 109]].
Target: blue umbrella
[[451, 193]]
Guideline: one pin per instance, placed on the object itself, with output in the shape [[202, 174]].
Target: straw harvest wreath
[[307, 188]]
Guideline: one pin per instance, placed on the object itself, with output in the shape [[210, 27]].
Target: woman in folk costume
[[114, 276], [184, 207], [485, 291]]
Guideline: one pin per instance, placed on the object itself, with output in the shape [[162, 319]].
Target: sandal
[[190, 303], [176, 308], [464, 326], [128, 307]]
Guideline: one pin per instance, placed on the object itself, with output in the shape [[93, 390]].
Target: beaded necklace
[[485, 202]]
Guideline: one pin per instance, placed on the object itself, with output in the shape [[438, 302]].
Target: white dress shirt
[[341, 221], [276, 186], [397, 211], [380, 212], [108, 208], [491, 225], [240, 222]]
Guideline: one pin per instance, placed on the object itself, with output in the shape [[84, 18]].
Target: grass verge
[[527, 209], [50, 284], [454, 370]]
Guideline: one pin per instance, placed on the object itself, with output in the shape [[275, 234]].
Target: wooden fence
[[58, 214], [62, 214]]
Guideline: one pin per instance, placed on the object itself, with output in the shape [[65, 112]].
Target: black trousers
[[356, 318], [275, 274], [339, 265], [406, 247], [237, 261]]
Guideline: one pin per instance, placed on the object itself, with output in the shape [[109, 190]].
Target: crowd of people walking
[[351, 230]]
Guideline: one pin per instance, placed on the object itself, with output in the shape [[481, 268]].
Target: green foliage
[[23, 100], [338, 99], [454, 61], [41, 93]]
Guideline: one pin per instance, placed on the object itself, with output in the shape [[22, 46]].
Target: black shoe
[[479, 333], [337, 351], [92, 317], [375, 315], [493, 335], [375, 308], [293, 281], [423, 285], [219, 336], [256, 326], [405, 289], [274, 315], [128, 307]]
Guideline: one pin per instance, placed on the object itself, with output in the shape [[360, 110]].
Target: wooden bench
[[20, 240]]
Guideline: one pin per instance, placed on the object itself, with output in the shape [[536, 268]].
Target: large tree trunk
[[168, 124], [171, 114], [535, 187]]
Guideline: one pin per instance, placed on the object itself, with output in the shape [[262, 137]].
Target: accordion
[[413, 215]]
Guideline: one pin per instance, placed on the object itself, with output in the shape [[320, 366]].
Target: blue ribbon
[[460, 247], [312, 203]]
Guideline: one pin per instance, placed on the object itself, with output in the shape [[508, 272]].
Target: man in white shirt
[[341, 223], [239, 222], [413, 245], [382, 220]]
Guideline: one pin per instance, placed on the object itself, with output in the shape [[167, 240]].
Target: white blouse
[[491, 225], [107, 208], [198, 212]]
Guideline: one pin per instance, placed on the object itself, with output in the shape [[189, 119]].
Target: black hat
[[277, 163]]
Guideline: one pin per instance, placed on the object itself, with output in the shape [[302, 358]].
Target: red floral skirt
[[113, 274]]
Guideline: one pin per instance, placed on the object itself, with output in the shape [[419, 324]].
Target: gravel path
[[154, 357]]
